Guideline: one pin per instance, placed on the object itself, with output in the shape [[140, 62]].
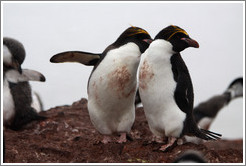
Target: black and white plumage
[[166, 88], [112, 83], [17, 98]]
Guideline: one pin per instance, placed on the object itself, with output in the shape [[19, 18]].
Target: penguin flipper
[[86, 58], [32, 75], [26, 75]]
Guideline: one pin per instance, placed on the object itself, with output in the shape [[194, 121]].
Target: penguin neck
[[162, 48], [129, 52]]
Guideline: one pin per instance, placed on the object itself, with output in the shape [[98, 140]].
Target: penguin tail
[[35, 116], [206, 134], [192, 129]]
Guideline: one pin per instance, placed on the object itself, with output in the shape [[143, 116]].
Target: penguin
[[166, 90], [190, 156], [17, 110], [206, 112], [113, 81]]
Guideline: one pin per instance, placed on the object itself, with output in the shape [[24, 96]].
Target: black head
[[134, 34], [236, 81], [17, 53], [178, 37]]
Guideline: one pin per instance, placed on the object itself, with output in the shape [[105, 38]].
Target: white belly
[[112, 89], [156, 87], [8, 104], [36, 102]]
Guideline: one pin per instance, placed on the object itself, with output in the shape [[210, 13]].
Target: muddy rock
[[67, 136]]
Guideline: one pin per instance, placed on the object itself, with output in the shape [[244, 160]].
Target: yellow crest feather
[[137, 30], [177, 30]]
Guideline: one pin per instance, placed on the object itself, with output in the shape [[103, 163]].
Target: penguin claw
[[106, 139], [172, 141], [122, 138]]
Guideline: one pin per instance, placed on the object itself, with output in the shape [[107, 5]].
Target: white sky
[[49, 28]]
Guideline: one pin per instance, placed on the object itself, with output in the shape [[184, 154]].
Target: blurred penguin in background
[[17, 93], [190, 156], [206, 112]]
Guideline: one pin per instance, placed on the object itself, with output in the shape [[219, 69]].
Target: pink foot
[[122, 138], [157, 139], [106, 139], [171, 141]]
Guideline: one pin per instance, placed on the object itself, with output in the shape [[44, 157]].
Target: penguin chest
[[121, 81], [115, 76], [8, 104], [146, 74]]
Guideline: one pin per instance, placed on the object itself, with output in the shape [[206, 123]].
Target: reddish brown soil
[[67, 136]]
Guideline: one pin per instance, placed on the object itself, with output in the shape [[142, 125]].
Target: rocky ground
[[67, 136]]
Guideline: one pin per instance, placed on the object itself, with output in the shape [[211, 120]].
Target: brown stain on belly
[[145, 75], [94, 86], [119, 81]]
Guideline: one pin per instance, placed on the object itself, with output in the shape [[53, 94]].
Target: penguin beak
[[17, 66], [148, 40], [191, 42]]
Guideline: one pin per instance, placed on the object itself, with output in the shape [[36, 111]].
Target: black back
[[183, 93]]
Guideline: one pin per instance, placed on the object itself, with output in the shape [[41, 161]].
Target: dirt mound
[[67, 136]]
